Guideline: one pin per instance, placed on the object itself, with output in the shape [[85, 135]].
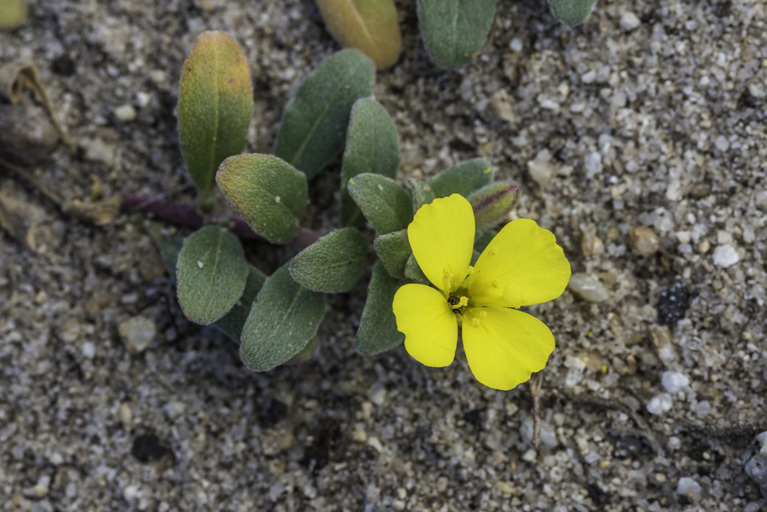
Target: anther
[[470, 270], [495, 283], [493, 251], [475, 322]]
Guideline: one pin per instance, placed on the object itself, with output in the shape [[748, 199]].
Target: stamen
[[482, 313], [493, 251], [475, 322], [447, 281], [470, 270], [495, 283], [463, 302]]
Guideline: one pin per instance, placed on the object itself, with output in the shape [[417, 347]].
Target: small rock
[[147, 448], [125, 113], [588, 288], [591, 244], [662, 341], [137, 333], [125, 413], [660, 403], [672, 304], [89, 350], [629, 21], [501, 103], [593, 163], [142, 99], [541, 171], [725, 256], [674, 381], [689, 488], [96, 150], [643, 241]]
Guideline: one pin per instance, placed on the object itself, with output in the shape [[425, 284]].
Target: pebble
[[137, 333], [660, 404], [629, 21], [689, 488], [593, 163], [591, 244], [588, 288], [500, 101], [89, 350], [725, 256], [125, 113], [643, 241], [541, 171], [674, 382], [96, 150]]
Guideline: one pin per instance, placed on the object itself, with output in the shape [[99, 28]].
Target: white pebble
[[516, 45], [89, 350], [725, 256], [142, 99], [689, 488], [674, 381], [593, 163], [541, 171], [125, 113], [629, 21], [721, 143], [659, 404]]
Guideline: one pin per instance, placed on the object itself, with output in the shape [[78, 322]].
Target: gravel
[[661, 125]]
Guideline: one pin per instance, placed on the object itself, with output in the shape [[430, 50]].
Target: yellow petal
[[521, 266], [504, 346], [442, 238], [429, 325]]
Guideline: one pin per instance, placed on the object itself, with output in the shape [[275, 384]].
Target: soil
[[652, 399]]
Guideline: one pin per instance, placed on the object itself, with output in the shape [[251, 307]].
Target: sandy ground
[[653, 398]]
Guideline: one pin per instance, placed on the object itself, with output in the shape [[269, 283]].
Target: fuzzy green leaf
[[215, 104], [378, 326], [383, 201], [463, 178], [413, 271], [282, 322], [371, 146], [368, 25], [332, 264], [393, 250], [211, 271], [232, 323], [265, 191], [454, 31], [14, 13], [422, 193], [572, 12], [313, 127]]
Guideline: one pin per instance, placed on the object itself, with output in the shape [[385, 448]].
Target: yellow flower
[[521, 266]]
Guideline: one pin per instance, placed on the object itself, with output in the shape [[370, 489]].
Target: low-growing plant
[[453, 31], [275, 318]]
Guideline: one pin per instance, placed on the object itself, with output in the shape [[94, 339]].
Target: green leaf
[[393, 250], [572, 12], [282, 321], [463, 178], [454, 31], [211, 272], [215, 104], [313, 127], [265, 191], [332, 264], [422, 193], [378, 326], [414, 272], [371, 146], [368, 25], [306, 353], [383, 201], [232, 323], [14, 13], [169, 247]]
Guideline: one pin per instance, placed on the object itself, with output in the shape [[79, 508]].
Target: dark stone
[[63, 65], [325, 439], [474, 417], [598, 497], [672, 304], [271, 412], [747, 100], [147, 448]]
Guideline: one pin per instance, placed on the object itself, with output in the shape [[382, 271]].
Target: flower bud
[[493, 202]]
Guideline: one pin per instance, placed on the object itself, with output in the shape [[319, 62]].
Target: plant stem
[[185, 215]]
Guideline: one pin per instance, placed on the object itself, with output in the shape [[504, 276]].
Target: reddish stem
[[185, 215]]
